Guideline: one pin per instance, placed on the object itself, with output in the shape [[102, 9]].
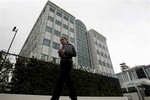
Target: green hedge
[[39, 77]]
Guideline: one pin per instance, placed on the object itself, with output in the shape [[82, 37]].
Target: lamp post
[[14, 30]]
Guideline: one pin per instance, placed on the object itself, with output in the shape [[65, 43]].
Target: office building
[[43, 41], [101, 60], [135, 82], [137, 72]]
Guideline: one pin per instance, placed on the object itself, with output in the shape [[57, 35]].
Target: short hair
[[64, 37]]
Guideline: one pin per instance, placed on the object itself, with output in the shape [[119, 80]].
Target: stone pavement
[[39, 97]]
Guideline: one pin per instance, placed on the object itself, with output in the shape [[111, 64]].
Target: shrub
[[40, 77]]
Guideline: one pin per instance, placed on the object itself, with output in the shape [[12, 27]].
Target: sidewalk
[[39, 97]]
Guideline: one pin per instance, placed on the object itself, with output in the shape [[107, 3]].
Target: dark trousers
[[65, 69]]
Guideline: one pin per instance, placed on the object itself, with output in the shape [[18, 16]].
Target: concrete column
[[145, 72], [135, 74], [128, 76]]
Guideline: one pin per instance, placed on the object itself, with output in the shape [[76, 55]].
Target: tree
[[5, 71]]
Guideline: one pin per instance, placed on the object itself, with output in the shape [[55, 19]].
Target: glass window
[[52, 10], [100, 45], [49, 29], [103, 63], [97, 52], [94, 35], [72, 30], [46, 42], [58, 22], [66, 18], [140, 73], [56, 45], [72, 21], [103, 47], [102, 54], [95, 42], [107, 64], [51, 18], [72, 39], [65, 26], [57, 33], [102, 40], [100, 62], [105, 55], [59, 14]]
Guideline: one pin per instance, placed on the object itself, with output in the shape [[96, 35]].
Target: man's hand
[[62, 51]]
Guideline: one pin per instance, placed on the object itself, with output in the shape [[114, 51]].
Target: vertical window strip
[[58, 22], [57, 33], [49, 29], [51, 18], [46, 42], [56, 45], [52, 10], [59, 14]]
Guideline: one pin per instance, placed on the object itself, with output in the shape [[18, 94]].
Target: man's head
[[63, 40]]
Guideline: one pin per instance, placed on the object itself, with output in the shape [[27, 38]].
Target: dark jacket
[[68, 55]]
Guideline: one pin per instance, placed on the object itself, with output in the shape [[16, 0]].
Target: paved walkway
[[39, 97]]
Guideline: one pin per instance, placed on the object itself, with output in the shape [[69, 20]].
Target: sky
[[125, 24]]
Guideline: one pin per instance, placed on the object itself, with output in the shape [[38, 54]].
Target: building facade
[[135, 82], [101, 60], [83, 55], [134, 73], [43, 41]]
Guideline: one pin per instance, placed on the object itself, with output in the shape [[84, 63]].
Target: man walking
[[66, 65]]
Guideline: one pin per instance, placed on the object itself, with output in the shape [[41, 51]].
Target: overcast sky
[[125, 24]]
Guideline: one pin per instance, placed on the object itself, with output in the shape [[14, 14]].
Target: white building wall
[[93, 51], [45, 50], [49, 23], [40, 25], [96, 48], [48, 35], [65, 22]]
